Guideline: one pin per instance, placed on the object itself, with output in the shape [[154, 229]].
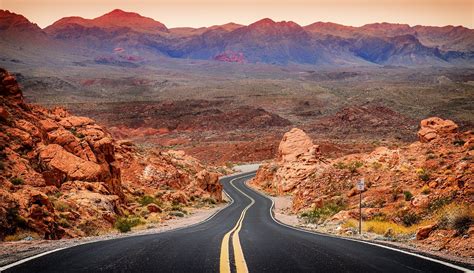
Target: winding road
[[243, 237]]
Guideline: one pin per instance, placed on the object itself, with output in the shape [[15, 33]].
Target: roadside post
[[360, 187]]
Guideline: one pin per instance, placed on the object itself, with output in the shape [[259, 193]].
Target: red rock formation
[[297, 158], [409, 181], [434, 128], [61, 174], [230, 57]]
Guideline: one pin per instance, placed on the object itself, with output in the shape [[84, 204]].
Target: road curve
[[243, 237]]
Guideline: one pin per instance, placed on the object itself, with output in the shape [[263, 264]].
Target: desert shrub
[[209, 200], [21, 235], [351, 166], [379, 216], [125, 224], [76, 134], [408, 195], [2, 166], [458, 142], [61, 206], [63, 222], [430, 156], [176, 213], [425, 190], [339, 165], [456, 216], [438, 203], [354, 165], [409, 218], [423, 174], [17, 181], [376, 165], [462, 222], [324, 212], [146, 200], [89, 227]]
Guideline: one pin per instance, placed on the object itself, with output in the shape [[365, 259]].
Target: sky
[[199, 13]]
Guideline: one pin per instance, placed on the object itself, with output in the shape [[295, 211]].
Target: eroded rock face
[[61, 174]]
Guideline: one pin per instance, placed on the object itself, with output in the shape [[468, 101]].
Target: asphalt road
[[243, 237]]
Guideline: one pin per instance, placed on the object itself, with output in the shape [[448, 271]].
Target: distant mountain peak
[[263, 22], [16, 22], [121, 13], [115, 18], [269, 23]]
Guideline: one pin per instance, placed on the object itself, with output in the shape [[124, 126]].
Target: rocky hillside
[[65, 176], [424, 189]]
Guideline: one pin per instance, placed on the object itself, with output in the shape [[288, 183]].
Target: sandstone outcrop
[[62, 175], [405, 185], [297, 158], [434, 128]]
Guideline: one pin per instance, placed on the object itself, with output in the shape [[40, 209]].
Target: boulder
[[154, 208], [58, 160], [424, 232], [296, 145], [209, 181], [433, 128]]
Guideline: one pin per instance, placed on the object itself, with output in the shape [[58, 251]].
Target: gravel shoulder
[[11, 252]]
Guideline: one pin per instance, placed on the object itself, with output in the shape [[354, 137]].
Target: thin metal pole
[[360, 212]]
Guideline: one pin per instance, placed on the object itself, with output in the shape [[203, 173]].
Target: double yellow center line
[[240, 264]]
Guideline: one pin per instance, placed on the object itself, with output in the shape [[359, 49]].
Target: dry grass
[[455, 216], [22, 235], [385, 227]]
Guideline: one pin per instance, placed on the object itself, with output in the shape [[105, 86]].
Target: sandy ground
[[246, 168], [14, 251], [283, 213]]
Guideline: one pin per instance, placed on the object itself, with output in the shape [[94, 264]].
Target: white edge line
[[360, 241], [8, 266]]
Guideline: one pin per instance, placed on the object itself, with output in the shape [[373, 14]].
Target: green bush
[[210, 200], [76, 134], [425, 190], [89, 227], [125, 224], [146, 200], [351, 166], [438, 203], [17, 181], [408, 195], [354, 165], [423, 174], [324, 212]]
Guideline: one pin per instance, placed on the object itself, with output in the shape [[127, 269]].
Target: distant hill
[[121, 36]]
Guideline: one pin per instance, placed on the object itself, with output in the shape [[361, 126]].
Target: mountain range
[[127, 38]]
